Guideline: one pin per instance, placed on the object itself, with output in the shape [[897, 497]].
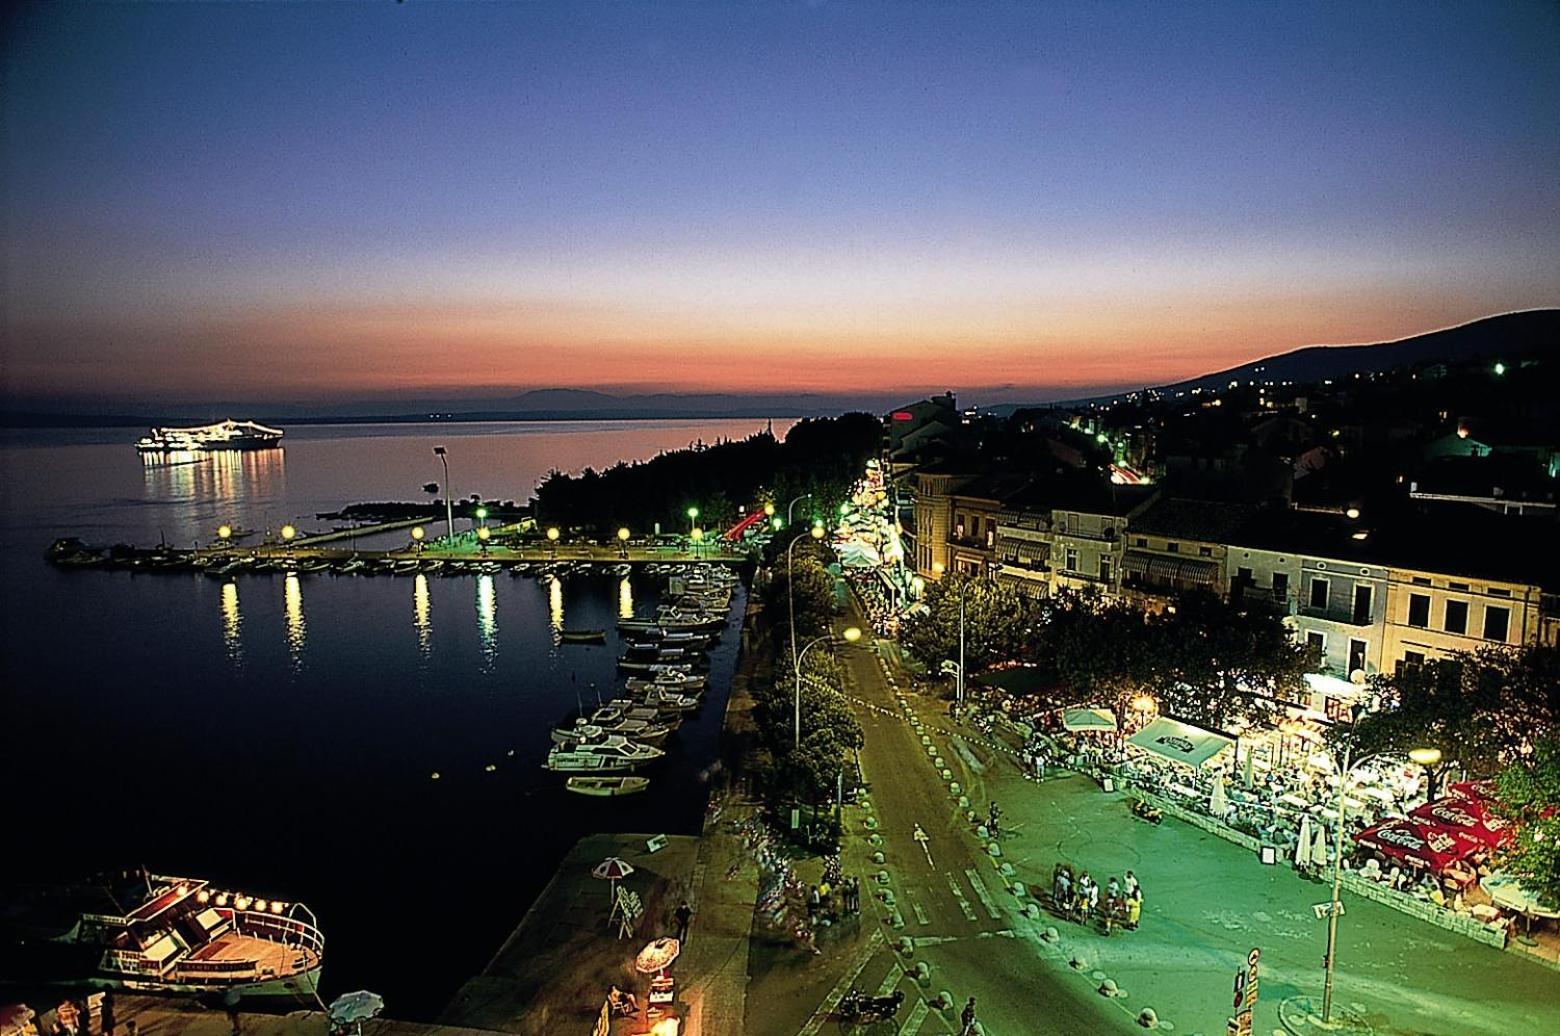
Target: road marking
[[891, 980], [958, 893], [815, 1023], [981, 893], [920, 912], [918, 1014]]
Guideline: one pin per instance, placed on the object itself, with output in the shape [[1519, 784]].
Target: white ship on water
[[224, 435]]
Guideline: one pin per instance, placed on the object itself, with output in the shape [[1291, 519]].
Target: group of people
[[829, 902], [1036, 757], [1082, 899], [76, 1017]]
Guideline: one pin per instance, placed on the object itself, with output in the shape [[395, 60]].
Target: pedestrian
[[108, 1012], [1112, 888], [1130, 883], [1134, 907], [684, 916], [814, 902], [1094, 895], [968, 1019]]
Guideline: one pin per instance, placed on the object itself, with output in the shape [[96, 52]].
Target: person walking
[[684, 917], [1134, 907], [967, 1019], [1130, 883]]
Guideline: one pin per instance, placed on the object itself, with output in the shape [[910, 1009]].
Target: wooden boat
[[604, 787], [582, 636]]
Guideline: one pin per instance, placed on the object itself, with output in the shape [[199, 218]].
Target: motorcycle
[[1143, 811], [857, 1006]]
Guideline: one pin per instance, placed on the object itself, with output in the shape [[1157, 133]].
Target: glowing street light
[[224, 532], [288, 532], [851, 635], [623, 542], [777, 523], [449, 504], [1500, 368], [417, 537], [484, 534], [769, 510], [481, 514]]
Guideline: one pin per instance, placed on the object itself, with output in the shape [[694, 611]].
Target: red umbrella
[[1416, 843], [1478, 791], [1469, 817]]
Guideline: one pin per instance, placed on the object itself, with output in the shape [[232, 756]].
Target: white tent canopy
[[1088, 719], [1180, 742]]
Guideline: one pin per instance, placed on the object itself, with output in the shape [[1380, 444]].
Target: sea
[[278, 734]]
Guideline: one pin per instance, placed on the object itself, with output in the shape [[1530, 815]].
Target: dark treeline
[[822, 456]]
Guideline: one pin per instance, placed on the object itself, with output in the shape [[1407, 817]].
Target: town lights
[[852, 634], [222, 899], [260, 905], [276, 906], [693, 513], [242, 902]]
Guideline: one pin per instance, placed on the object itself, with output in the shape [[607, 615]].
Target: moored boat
[[582, 636], [606, 787]]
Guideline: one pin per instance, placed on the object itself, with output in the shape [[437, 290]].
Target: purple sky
[[327, 202]]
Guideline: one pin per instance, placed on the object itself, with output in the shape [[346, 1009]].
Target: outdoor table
[[1506, 891], [1294, 800]]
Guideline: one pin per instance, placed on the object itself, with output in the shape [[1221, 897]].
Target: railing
[[289, 931], [1101, 535], [1345, 616]]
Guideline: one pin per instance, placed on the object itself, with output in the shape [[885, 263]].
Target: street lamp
[[697, 536], [417, 537], [482, 514], [851, 635], [693, 517], [449, 505], [552, 540], [483, 535], [623, 542], [288, 532], [790, 510], [790, 586], [1423, 756], [769, 510]]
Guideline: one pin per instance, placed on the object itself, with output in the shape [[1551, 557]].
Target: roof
[[1185, 518]]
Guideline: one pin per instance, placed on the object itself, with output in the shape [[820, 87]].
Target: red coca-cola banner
[[1418, 843], [1468, 817]]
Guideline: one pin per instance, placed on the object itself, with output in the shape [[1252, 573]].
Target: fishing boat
[[606, 787], [582, 636], [681, 682], [667, 701], [148, 933], [585, 731], [623, 710]]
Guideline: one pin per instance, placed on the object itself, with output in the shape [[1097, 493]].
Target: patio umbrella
[[1419, 844], [1480, 791], [657, 956], [1303, 845], [1246, 774], [1470, 817], [614, 870], [1218, 802], [1319, 846], [351, 1008]]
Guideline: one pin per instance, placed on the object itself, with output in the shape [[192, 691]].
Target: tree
[[997, 622], [813, 599], [1481, 709], [1530, 793]]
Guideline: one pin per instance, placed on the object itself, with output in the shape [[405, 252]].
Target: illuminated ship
[[225, 435], [148, 933]]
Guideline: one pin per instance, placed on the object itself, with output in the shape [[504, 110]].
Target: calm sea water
[[277, 734]]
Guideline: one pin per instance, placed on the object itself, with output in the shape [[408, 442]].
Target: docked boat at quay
[[150, 933]]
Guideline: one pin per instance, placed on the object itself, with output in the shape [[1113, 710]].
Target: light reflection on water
[[555, 602], [487, 620], [625, 599], [232, 624], [292, 595], [420, 616]]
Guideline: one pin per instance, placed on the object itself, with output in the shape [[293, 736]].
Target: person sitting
[[621, 1003]]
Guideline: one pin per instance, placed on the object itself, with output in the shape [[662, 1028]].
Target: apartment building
[[1432, 615], [1088, 538], [1177, 545]]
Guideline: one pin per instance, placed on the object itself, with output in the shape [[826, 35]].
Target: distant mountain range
[[1506, 336]]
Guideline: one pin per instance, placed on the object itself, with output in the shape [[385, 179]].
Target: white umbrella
[[351, 1008], [1319, 847], [614, 870], [1303, 845], [1246, 772], [1218, 802]]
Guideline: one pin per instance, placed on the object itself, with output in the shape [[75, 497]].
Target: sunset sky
[[316, 203]]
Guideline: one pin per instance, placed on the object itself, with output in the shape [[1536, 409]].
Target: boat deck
[[266, 957]]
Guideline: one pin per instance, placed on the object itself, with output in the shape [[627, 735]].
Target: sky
[[320, 202]]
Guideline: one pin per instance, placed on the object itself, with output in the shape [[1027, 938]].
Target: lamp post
[[225, 534], [622, 543], [552, 540], [851, 635], [696, 536], [693, 518], [417, 538], [790, 508], [483, 534], [449, 505], [790, 588], [482, 515], [958, 694], [1422, 756]]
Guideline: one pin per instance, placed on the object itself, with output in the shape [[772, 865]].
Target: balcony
[[1342, 616], [1281, 601], [1105, 535]]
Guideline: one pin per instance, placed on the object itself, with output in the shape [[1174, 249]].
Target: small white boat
[[667, 701], [614, 753], [606, 787]]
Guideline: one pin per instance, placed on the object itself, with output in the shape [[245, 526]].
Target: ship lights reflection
[[625, 599], [292, 596], [420, 613], [487, 619], [232, 624], [555, 602]]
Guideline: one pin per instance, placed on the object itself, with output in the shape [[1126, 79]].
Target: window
[[1105, 569], [1362, 601], [1142, 541], [1072, 559], [1319, 593], [1206, 552], [1356, 655], [1421, 581], [1280, 585], [1457, 586], [1316, 641], [1411, 660], [1496, 621], [1243, 575], [1499, 591], [1457, 616], [1174, 548], [1419, 610]]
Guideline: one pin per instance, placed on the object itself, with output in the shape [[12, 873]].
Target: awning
[[1088, 719], [1158, 568], [1423, 845], [1180, 742], [1468, 817]]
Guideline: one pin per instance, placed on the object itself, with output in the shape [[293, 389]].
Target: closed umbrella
[[1319, 846], [1246, 774], [614, 870], [1218, 802], [1303, 845], [352, 1008]]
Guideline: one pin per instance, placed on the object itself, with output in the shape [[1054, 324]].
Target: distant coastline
[[35, 420]]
